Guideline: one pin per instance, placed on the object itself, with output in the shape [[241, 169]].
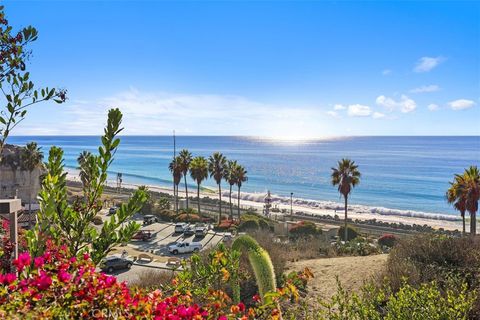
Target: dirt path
[[351, 271]]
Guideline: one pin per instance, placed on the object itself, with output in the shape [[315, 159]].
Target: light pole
[[291, 203]]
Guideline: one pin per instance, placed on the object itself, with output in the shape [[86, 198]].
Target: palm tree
[[199, 172], [176, 171], [230, 179], [469, 184], [240, 175], [32, 157], [346, 176], [185, 159], [457, 198], [216, 166]]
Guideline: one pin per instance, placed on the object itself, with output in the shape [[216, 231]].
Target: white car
[[201, 230], [185, 247], [180, 227]]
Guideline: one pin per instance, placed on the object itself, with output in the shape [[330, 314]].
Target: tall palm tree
[[176, 171], [216, 166], [185, 159], [240, 176], [199, 172], [346, 176], [457, 199], [32, 157], [469, 184], [230, 179]]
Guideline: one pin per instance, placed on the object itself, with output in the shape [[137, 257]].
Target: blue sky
[[281, 69]]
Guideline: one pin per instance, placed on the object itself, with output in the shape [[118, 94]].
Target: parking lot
[[163, 235], [153, 253]]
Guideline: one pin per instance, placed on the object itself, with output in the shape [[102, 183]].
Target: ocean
[[398, 173]]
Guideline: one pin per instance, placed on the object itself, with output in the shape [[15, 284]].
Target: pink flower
[[38, 262], [8, 278], [23, 260], [86, 256], [110, 280], [241, 306], [222, 318], [64, 276], [43, 281], [47, 256]]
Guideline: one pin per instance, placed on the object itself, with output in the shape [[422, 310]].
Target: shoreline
[[315, 207]]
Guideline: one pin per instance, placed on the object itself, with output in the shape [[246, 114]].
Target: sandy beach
[[313, 207]]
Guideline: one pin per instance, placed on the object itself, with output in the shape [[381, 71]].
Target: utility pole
[[175, 191]]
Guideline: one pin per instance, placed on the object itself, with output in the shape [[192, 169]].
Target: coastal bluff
[[15, 179]]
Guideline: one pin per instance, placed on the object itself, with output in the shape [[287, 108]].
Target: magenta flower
[[43, 281], [64, 276], [38, 262], [23, 260]]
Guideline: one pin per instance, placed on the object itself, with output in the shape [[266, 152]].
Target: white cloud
[[378, 115], [432, 107], [339, 107], [429, 88], [332, 113], [358, 110], [386, 72], [461, 104], [425, 64], [158, 113], [405, 104]]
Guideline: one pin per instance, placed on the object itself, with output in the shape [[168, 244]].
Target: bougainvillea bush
[[61, 286], [55, 286]]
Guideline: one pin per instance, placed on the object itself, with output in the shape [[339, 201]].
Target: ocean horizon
[[410, 173]]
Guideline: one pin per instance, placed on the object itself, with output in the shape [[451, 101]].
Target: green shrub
[[428, 301], [264, 224], [424, 258], [387, 240], [352, 233], [249, 225], [357, 247], [184, 217], [167, 215], [304, 229]]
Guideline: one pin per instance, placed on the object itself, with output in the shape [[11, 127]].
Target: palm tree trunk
[[238, 200], [175, 197], [473, 223], [220, 203], [186, 188], [346, 208], [177, 202], [463, 223], [231, 209], [198, 198]]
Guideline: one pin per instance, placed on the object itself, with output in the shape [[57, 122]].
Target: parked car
[[201, 230], [227, 236], [143, 235], [189, 231], [185, 247], [180, 227], [112, 210], [149, 219], [109, 264]]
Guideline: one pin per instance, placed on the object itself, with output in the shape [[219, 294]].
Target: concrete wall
[[12, 180]]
